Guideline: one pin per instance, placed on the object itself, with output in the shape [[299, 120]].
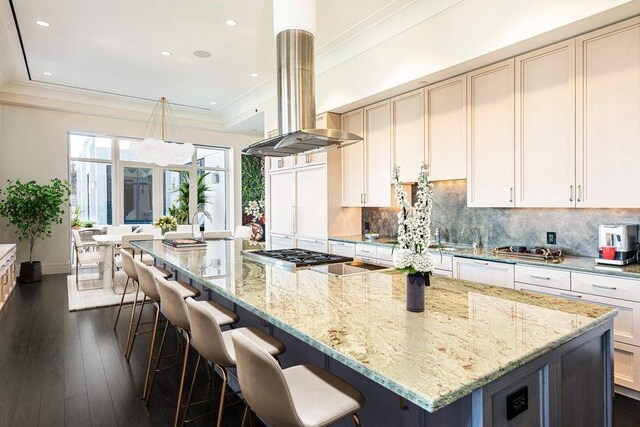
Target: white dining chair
[[217, 234], [86, 253], [149, 229], [243, 232], [118, 230]]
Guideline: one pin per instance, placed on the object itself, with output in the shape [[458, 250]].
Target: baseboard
[[627, 392], [60, 268]]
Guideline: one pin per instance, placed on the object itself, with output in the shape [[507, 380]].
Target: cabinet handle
[[540, 277], [365, 251], [579, 195], [564, 294], [307, 158], [609, 288], [511, 195], [280, 163], [571, 193], [365, 197], [480, 263], [362, 198], [293, 219]]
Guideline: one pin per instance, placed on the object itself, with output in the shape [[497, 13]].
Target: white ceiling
[[114, 46]]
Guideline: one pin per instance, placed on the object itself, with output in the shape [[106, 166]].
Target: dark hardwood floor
[[61, 368]]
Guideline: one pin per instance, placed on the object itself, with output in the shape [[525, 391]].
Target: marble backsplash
[[577, 229]]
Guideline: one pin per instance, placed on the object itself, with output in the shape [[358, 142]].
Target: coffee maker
[[621, 238]]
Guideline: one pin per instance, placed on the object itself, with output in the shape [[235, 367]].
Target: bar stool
[[303, 395], [175, 311], [216, 348], [132, 275]]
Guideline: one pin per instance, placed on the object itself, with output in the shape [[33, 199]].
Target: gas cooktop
[[295, 258]]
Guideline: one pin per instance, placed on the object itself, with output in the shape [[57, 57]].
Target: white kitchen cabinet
[[545, 127], [342, 249], [310, 213], [407, 127], [487, 272], [377, 134], [364, 250], [318, 245], [281, 241], [353, 161], [490, 136], [626, 362], [608, 112], [446, 129], [608, 286], [282, 202], [548, 277]]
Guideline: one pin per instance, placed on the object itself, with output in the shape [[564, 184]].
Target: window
[[90, 177], [110, 185]]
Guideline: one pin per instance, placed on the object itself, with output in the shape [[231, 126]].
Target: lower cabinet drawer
[[363, 250], [317, 245], [342, 249], [598, 284], [626, 325], [548, 277], [626, 365], [278, 241], [385, 253], [445, 273], [486, 272], [443, 262]]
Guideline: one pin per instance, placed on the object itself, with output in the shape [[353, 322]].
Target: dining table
[[106, 270]]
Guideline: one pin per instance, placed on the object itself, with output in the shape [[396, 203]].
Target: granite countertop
[[468, 335], [574, 263], [5, 248]]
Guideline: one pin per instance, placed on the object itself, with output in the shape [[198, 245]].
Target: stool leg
[[190, 395], [126, 285], [356, 420], [222, 395], [133, 316], [153, 341], [135, 332], [155, 370], [244, 414], [184, 373]]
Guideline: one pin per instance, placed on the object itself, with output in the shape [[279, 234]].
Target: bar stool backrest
[[218, 234], [128, 265], [206, 335], [173, 306], [147, 281], [128, 238], [262, 383], [118, 229]]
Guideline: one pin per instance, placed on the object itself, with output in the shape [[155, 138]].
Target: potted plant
[[87, 224], [166, 223], [75, 218], [33, 209], [414, 237]]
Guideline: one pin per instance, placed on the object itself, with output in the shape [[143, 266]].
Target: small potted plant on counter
[[166, 223], [76, 224], [33, 209], [414, 237]]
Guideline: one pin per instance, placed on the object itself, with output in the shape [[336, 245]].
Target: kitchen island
[[474, 352]]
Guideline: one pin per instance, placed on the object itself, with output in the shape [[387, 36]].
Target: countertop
[[574, 263], [5, 248], [468, 335]]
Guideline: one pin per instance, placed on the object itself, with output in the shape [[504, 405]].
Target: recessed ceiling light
[[254, 74], [231, 22], [46, 73], [165, 53], [213, 103], [43, 23], [202, 54]]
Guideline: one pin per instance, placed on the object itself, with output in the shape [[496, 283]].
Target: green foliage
[[75, 217], [180, 209], [87, 224], [33, 208], [252, 180]]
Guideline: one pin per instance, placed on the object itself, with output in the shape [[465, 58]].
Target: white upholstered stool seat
[[267, 342], [221, 314]]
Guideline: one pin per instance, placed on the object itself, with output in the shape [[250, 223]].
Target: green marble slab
[[468, 335], [574, 263]]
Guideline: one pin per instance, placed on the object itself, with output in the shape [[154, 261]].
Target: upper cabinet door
[[490, 138], [311, 202], [545, 127], [407, 127], [282, 192], [608, 125], [353, 161], [446, 129], [377, 131]]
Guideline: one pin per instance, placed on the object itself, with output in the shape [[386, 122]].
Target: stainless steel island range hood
[[297, 100]]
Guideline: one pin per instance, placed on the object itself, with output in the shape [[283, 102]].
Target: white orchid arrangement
[[414, 223], [255, 209]]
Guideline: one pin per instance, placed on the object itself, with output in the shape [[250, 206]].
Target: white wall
[[33, 145]]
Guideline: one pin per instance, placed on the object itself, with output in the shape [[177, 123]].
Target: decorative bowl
[[371, 236]]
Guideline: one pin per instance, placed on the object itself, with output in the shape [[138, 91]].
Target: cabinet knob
[[579, 195], [511, 195]]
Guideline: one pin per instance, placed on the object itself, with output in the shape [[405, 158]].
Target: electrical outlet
[[367, 226], [517, 402], [551, 237]]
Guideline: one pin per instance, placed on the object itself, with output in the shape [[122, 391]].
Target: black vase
[[415, 291], [30, 272]]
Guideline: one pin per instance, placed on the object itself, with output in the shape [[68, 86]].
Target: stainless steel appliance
[[622, 237], [295, 258]]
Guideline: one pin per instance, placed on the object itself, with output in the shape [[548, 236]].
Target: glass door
[[137, 194]]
